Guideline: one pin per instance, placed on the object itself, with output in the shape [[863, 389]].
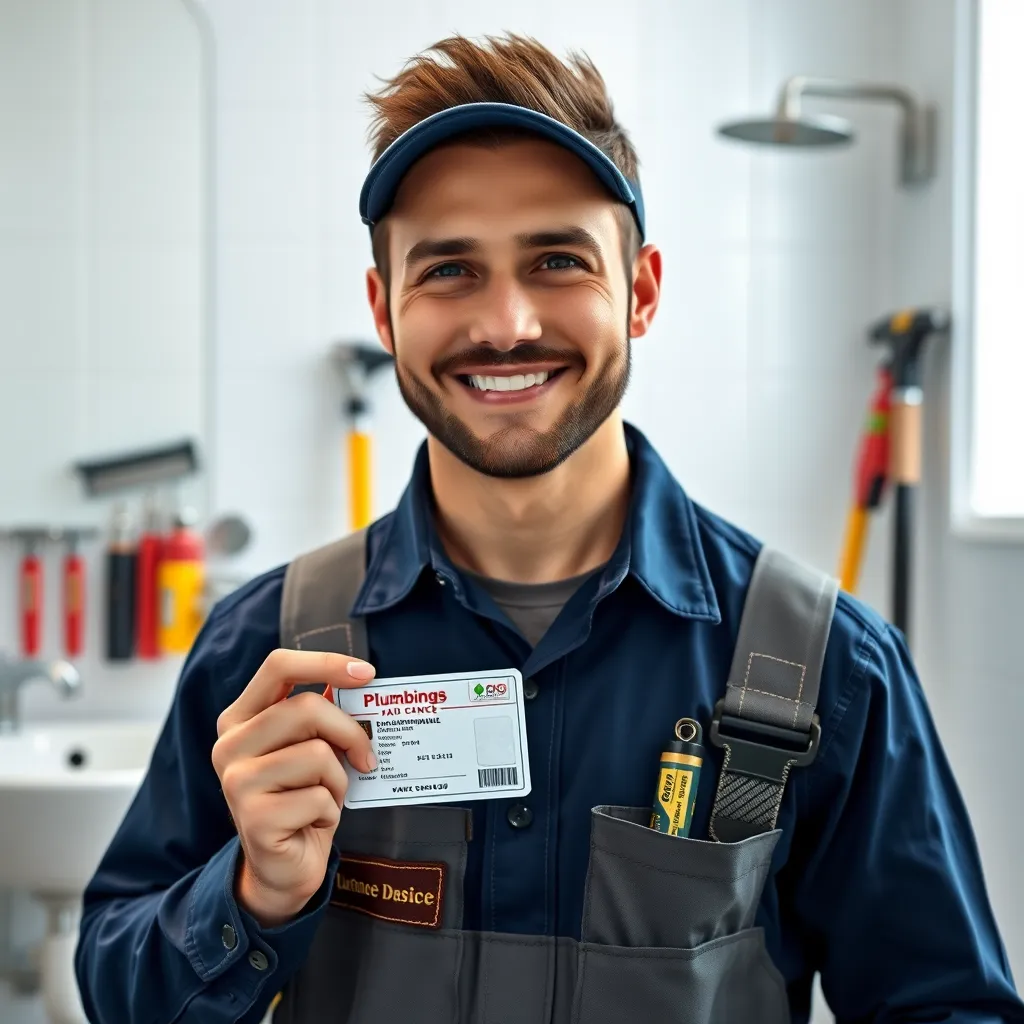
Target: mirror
[[105, 294]]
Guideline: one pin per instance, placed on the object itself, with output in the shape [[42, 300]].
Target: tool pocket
[[668, 924], [397, 900]]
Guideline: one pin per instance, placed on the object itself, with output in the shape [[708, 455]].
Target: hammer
[[358, 361], [904, 335]]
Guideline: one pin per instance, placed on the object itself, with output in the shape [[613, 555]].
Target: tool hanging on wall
[[358, 361], [181, 580], [73, 589], [891, 451], [138, 469], [30, 587], [121, 558], [147, 587]]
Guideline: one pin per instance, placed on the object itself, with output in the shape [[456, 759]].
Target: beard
[[518, 450]]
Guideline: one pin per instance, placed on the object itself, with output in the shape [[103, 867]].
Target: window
[[988, 477]]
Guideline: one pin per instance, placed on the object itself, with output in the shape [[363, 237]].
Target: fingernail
[[361, 670], [371, 763]]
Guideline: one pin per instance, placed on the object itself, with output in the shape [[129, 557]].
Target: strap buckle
[[765, 751]]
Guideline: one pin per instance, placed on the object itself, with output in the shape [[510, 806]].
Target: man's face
[[509, 303]]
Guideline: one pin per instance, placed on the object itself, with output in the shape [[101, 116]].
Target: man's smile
[[508, 385]]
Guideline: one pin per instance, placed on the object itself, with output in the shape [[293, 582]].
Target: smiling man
[[515, 299], [540, 538]]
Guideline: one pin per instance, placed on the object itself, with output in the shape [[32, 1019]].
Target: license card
[[440, 738]]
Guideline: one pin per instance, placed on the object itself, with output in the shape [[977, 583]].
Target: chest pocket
[[668, 927], [377, 958]]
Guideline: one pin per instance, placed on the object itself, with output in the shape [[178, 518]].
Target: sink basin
[[64, 789]]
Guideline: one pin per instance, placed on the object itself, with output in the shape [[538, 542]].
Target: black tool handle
[[121, 570], [902, 540]]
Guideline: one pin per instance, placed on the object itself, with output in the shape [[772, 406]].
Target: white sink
[[64, 789]]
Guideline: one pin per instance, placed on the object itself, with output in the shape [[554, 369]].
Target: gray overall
[[668, 925]]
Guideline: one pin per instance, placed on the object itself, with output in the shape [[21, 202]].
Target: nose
[[504, 315]]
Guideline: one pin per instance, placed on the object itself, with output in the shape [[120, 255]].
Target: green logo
[[478, 689]]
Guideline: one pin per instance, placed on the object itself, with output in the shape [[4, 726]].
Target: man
[[538, 532]]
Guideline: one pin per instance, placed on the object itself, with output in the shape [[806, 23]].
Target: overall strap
[[320, 588], [766, 721]]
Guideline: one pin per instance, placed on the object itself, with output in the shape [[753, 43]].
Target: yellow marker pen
[[678, 775]]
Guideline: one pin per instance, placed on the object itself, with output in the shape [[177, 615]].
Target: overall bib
[[668, 922]]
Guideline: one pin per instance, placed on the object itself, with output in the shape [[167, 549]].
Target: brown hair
[[513, 69]]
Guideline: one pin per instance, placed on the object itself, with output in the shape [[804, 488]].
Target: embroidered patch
[[409, 892]]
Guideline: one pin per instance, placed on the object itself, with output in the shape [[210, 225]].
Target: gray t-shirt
[[531, 607]]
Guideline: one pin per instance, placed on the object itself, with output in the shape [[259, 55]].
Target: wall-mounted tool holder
[[31, 585], [140, 469]]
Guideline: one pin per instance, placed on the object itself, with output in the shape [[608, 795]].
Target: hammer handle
[[905, 438]]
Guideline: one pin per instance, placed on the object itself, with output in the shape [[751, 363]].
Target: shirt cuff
[[221, 935]]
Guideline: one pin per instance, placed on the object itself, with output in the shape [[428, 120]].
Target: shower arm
[[916, 120]]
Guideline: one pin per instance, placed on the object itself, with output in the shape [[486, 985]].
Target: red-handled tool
[[74, 602], [73, 590], [147, 589], [30, 587], [30, 592], [869, 483]]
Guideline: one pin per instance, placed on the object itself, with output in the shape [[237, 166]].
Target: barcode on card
[[498, 777]]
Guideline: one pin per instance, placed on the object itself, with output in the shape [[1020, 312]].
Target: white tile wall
[[101, 285], [971, 594], [774, 263], [101, 298]]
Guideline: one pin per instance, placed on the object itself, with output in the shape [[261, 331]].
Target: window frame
[[965, 521]]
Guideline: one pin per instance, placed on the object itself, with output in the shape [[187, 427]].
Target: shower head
[[791, 127], [822, 130]]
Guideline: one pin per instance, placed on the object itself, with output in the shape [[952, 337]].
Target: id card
[[440, 738]]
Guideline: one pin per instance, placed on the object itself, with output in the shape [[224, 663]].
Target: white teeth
[[517, 382]]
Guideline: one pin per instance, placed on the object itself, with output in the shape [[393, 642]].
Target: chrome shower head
[[791, 127], [822, 130]]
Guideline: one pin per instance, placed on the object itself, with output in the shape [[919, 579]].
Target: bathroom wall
[[102, 291], [971, 593], [774, 264]]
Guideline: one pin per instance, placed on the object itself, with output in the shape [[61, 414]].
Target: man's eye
[[445, 270], [562, 261]]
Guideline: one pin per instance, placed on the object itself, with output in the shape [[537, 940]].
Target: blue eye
[[572, 261], [441, 271]]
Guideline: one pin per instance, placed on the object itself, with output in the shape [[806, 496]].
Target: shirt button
[[259, 960], [440, 578], [530, 689], [520, 816], [228, 937]]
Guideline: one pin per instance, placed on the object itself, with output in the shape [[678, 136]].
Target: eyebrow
[[431, 248]]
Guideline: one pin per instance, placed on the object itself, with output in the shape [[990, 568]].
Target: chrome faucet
[[14, 675]]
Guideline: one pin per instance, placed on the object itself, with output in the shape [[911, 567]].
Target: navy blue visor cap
[[378, 192]]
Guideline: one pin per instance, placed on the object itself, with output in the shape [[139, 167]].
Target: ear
[[646, 290], [377, 293]]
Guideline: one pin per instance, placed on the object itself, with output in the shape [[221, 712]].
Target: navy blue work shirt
[[875, 882]]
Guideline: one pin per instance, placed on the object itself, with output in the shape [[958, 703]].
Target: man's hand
[[279, 765]]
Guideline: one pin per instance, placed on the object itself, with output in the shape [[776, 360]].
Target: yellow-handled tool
[[357, 361]]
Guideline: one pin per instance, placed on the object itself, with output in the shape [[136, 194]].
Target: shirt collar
[[660, 546]]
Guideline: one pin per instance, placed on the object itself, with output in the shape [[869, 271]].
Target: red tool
[[74, 600], [30, 591], [147, 591], [74, 590], [869, 483], [30, 587]]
